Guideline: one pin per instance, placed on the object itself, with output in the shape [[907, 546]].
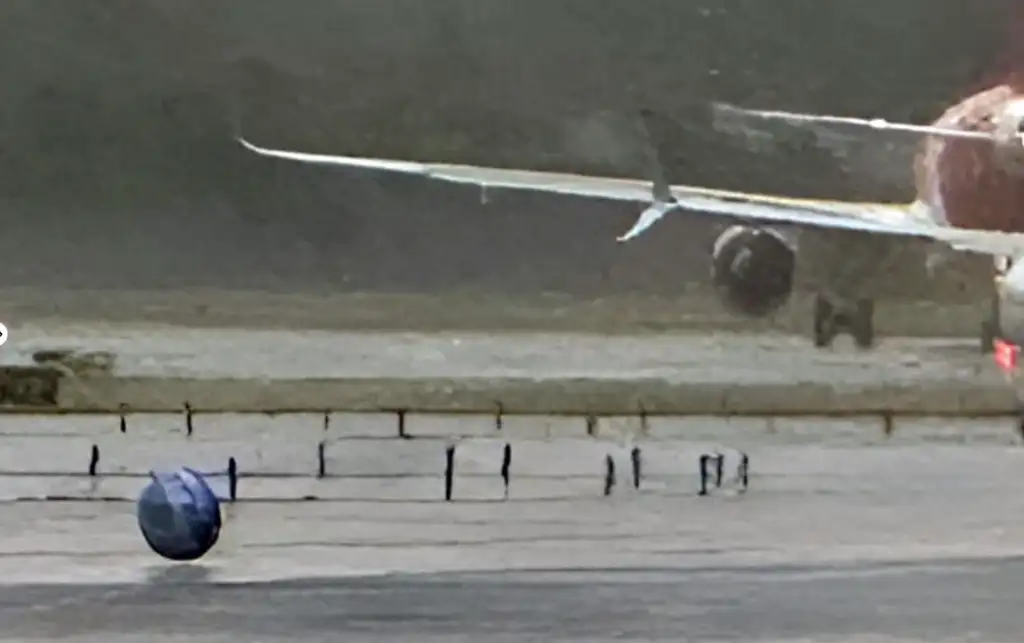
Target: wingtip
[[255, 149], [628, 236]]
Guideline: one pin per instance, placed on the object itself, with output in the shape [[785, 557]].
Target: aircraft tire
[[990, 328], [824, 322], [863, 324]]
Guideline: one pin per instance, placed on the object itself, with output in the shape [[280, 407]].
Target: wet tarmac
[[848, 538], [844, 534], [958, 600]]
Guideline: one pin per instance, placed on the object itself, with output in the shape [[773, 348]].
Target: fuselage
[[980, 184], [971, 183]]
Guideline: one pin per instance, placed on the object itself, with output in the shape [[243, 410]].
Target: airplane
[[958, 209]]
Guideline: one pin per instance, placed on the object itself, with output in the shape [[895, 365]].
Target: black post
[[449, 471], [321, 469], [401, 423], [506, 464], [327, 420], [591, 426], [188, 419], [232, 479], [743, 471], [499, 422], [719, 463], [122, 409], [609, 474], [634, 456], [94, 460], [703, 474]]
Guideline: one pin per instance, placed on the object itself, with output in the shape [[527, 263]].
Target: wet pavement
[[851, 537]]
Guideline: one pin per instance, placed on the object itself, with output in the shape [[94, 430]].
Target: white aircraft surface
[[753, 262]]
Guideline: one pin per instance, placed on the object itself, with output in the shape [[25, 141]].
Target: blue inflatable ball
[[179, 515]]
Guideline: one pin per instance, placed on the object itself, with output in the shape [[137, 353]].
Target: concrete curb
[[521, 396]]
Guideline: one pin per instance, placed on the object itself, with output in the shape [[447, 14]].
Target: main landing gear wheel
[[862, 326], [990, 328], [824, 322], [830, 320]]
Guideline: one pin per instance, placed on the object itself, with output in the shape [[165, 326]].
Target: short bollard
[[743, 472], [321, 460], [591, 425], [499, 413], [634, 457], [449, 471], [327, 420], [401, 423], [94, 460], [887, 424], [609, 475], [719, 464], [188, 419], [703, 466], [122, 409], [506, 465], [232, 479]]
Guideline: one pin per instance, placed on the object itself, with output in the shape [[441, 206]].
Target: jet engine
[[1009, 127], [752, 270]]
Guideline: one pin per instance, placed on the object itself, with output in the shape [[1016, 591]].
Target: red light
[[1005, 355]]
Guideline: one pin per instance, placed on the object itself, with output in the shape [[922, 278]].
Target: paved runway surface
[[837, 540], [722, 357], [954, 601]]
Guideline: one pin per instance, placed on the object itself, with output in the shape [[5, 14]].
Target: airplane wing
[[881, 156], [875, 218]]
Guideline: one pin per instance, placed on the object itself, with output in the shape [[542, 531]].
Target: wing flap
[[863, 217]]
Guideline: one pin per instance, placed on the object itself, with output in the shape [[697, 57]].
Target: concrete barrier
[[527, 396], [28, 386]]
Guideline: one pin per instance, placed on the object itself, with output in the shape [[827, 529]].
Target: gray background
[[117, 167]]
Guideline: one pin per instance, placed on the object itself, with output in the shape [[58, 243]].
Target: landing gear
[[991, 329], [863, 324], [831, 319], [824, 322]]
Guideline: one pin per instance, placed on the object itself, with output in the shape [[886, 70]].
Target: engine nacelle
[[752, 270], [1009, 127]]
